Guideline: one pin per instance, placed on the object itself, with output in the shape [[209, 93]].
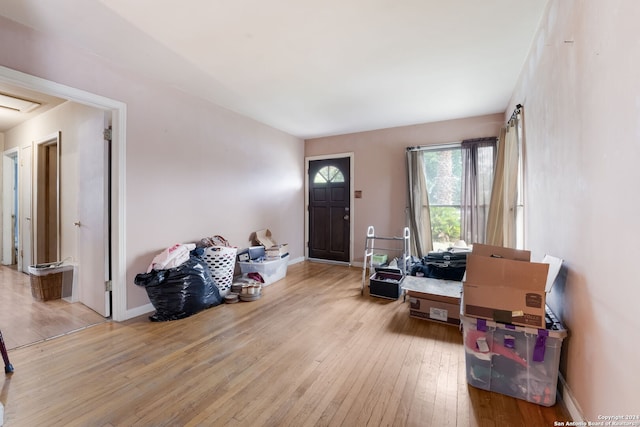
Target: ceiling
[[310, 67], [10, 119]]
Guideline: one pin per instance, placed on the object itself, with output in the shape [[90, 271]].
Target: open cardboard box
[[272, 248], [501, 284]]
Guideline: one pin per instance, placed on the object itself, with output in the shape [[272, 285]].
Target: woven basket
[[47, 287], [221, 261]]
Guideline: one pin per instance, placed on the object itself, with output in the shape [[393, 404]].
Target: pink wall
[[193, 169], [380, 168], [581, 99]]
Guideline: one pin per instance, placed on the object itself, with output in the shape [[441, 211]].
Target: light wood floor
[[24, 321], [311, 351]]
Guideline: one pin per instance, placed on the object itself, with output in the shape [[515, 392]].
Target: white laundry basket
[[221, 261]]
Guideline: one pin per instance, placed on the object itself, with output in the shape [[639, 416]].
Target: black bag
[[182, 291], [443, 265]]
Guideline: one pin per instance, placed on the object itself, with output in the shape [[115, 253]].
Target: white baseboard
[[569, 401], [296, 260], [331, 262], [138, 311]]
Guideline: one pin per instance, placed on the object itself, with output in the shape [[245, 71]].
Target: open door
[[9, 206], [93, 216], [25, 256]]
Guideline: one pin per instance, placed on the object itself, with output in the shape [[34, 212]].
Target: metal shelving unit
[[370, 247]]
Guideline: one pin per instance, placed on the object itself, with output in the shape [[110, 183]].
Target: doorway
[[10, 207], [47, 200], [42, 169], [25, 228], [117, 111], [329, 208]]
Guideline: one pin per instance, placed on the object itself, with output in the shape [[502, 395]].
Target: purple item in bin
[[541, 344], [509, 341]]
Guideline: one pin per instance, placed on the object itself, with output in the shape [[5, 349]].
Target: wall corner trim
[[568, 401]]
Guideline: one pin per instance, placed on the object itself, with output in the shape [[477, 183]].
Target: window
[[328, 174], [443, 171], [459, 180]]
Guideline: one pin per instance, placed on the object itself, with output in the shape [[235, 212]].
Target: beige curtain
[[501, 222], [419, 216], [511, 155]]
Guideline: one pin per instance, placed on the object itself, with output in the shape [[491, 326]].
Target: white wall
[[193, 169], [581, 99]]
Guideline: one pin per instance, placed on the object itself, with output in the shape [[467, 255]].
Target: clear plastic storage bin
[[270, 270], [517, 361]]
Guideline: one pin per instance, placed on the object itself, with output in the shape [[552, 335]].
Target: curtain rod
[[516, 111], [451, 144], [435, 146], [474, 140]]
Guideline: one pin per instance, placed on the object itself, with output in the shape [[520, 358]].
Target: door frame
[[39, 146], [10, 158], [118, 111], [25, 206], [351, 157]]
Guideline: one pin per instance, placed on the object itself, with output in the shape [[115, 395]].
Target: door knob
[[77, 223], [346, 217]]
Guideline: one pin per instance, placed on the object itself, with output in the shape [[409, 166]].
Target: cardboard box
[[273, 250], [277, 251], [385, 284], [502, 285], [501, 252], [434, 299], [442, 312]]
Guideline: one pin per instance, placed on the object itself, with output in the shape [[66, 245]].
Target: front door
[[329, 215]]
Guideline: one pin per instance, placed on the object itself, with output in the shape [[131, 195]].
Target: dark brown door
[[329, 216]]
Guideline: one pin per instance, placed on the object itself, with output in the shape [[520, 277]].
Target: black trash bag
[[182, 291]]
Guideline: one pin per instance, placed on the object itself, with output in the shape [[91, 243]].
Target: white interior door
[[26, 226], [92, 223], [9, 218]]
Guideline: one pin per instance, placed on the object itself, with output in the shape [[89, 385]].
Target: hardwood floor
[[311, 351], [24, 321]]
